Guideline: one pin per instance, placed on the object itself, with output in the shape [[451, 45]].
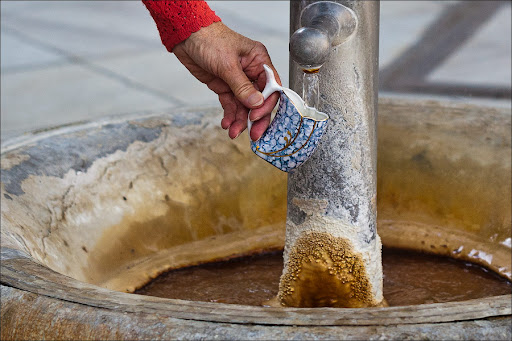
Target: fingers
[[235, 115], [265, 109], [242, 87], [235, 111], [259, 127], [240, 123], [228, 103]]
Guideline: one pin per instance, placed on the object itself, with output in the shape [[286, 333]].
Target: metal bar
[[331, 218]]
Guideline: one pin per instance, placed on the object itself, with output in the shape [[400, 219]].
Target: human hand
[[228, 63]]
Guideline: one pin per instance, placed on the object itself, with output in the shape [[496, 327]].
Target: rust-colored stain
[[418, 183], [324, 271], [210, 200]]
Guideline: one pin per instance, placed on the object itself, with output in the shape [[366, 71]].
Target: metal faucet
[[324, 24], [335, 191]]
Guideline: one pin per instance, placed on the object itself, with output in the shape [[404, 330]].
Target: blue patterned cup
[[293, 134]]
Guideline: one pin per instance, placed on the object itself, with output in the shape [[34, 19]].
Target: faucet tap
[[324, 24]]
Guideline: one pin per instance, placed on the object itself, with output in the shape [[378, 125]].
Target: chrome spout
[[324, 24]]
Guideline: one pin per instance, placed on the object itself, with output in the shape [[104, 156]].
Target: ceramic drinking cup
[[295, 131]]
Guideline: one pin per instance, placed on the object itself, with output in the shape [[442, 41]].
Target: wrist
[[204, 34]]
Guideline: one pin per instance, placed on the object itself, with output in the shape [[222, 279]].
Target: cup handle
[[270, 87]]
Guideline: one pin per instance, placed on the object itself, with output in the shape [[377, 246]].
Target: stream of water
[[311, 89]]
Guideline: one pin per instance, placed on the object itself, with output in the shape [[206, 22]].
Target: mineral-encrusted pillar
[[333, 252]]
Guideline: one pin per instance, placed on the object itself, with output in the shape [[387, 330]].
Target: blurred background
[[69, 61]]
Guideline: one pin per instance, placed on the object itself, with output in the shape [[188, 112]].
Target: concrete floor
[[69, 61]]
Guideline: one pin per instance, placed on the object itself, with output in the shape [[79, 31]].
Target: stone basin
[[93, 211]]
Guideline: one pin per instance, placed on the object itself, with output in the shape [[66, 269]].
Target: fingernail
[[255, 119], [255, 99], [223, 125]]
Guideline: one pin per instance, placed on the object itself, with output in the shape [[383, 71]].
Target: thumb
[[243, 89]]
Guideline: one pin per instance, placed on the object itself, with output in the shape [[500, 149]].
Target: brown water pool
[[409, 278]]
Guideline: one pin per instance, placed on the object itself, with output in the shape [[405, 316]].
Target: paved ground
[[66, 61]]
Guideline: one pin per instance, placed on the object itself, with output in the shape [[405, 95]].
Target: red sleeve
[[177, 20]]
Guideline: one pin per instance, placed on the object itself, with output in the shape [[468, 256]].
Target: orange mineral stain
[[324, 271]]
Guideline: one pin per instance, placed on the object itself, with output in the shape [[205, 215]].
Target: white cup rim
[[304, 110]]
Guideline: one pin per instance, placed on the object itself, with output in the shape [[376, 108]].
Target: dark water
[[409, 278]]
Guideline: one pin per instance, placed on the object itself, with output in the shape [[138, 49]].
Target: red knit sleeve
[[177, 20]]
